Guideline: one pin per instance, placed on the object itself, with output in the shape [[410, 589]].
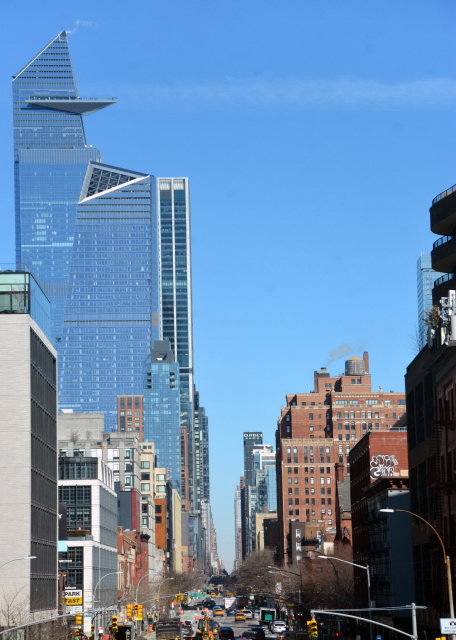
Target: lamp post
[[293, 573], [446, 559], [16, 559], [366, 568], [162, 582], [112, 573]]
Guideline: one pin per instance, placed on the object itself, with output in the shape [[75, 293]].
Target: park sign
[[448, 626]]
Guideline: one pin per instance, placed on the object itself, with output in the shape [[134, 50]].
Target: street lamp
[[112, 573], [293, 573], [366, 568], [446, 558], [145, 576], [16, 559], [162, 582]]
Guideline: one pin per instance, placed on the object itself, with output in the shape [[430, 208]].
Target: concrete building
[[28, 471], [168, 522], [251, 439], [86, 486], [259, 528], [315, 431]]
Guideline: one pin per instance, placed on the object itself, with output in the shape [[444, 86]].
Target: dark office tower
[[251, 438], [111, 312], [201, 431], [176, 303], [50, 161]]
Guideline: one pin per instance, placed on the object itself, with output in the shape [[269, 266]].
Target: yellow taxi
[[217, 611], [213, 594], [239, 616]]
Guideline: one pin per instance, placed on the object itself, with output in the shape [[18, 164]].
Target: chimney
[[339, 468], [366, 361]]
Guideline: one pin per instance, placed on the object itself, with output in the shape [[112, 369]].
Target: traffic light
[[78, 619], [92, 629], [312, 628], [114, 626], [76, 633], [139, 615], [157, 597], [129, 611], [156, 614]]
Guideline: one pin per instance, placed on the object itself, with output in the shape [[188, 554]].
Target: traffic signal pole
[[413, 608]]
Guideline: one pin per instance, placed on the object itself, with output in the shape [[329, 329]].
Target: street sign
[[73, 610], [448, 626], [100, 630], [72, 601], [73, 593]]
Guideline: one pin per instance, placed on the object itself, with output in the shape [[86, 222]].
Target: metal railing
[[442, 279], [442, 240], [444, 194]]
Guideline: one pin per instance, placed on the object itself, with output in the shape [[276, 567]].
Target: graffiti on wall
[[382, 466]]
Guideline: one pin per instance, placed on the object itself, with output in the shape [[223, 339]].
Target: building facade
[[28, 473], [130, 414], [176, 302], [251, 439], [425, 276], [316, 430], [161, 399]]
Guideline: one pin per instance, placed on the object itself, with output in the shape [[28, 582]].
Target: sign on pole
[[448, 626]]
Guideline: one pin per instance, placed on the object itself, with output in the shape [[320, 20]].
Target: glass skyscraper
[[425, 282], [50, 161], [161, 404], [89, 234], [112, 307], [176, 303]]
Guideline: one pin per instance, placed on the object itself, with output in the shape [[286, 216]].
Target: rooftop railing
[[441, 241], [442, 279], [444, 194]]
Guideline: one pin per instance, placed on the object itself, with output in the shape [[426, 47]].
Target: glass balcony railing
[[444, 194], [441, 241]]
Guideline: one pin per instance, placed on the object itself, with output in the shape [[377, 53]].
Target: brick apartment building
[[378, 480], [315, 431], [130, 415]]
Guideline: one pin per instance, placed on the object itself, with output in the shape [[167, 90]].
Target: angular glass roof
[[102, 177], [81, 106]]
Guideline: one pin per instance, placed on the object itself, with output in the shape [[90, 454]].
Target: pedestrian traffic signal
[[312, 628], [129, 611], [76, 633], [78, 619], [114, 626]]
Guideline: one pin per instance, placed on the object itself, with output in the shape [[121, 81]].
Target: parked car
[[278, 625], [260, 631], [226, 633]]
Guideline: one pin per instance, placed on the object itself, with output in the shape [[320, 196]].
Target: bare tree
[[74, 436]]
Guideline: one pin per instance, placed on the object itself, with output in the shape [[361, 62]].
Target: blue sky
[[315, 135]]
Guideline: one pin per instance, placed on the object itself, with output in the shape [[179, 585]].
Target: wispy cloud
[[344, 350], [293, 93], [81, 23]]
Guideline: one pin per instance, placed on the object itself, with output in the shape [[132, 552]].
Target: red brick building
[[315, 431], [130, 415]]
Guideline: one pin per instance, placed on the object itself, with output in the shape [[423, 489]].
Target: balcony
[[442, 285], [443, 212], [443, 254]]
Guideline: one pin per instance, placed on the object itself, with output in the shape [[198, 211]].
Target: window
[[161, 488], [372, 401], [340, 436], [295, 459], [389, 402], [339, 415], [158, 519], [296, 492], [322, 480], [145, 486], [377, 425], [296, 480], [145, 476], [354, 401], [288, 417], [330, 521], [145, 464], [144, 521], [296, 500], [290, 512], [295, 469], [394, 416], [311, 416], [289, 460], [311, 427], [353, 381], [346, 415], [288, 449], [288, 470], [339, 426], [290, 500], [328, 480], [329, 512], [289, 481], [295, 449], [312, 480], [399, 402]]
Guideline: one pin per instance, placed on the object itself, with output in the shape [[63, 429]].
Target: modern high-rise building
[[51, 155], [28, 469], [112, 307], [176, 303], [426, 277], [161, 401], [251, 439]]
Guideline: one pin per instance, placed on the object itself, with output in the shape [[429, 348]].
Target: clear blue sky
[[315, 135]]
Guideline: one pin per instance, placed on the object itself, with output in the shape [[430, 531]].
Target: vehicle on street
[[213, 594], [250, 635], [248, 614], [278, 626], [267, 616], [218, 611], [231, 611], [286, 635], [260, 631], [226, 633], [187, 629], [239, 616], [168, 629]]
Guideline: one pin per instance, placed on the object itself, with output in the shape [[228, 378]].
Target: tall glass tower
[[161, 401], [426, 277], [50, 161], [111, 315], [176, 303]]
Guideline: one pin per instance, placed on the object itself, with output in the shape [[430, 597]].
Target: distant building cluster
[[108, 469]]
